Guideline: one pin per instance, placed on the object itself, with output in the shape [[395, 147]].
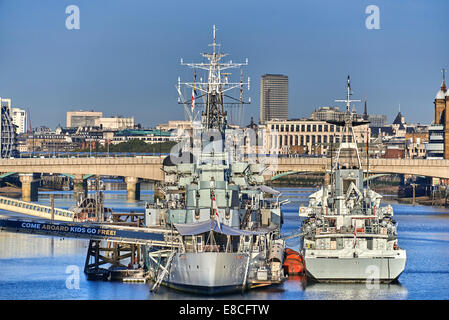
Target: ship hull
[[333, 268], [207, 272]]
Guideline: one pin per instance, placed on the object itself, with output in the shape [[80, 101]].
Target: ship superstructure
[[347, 234], [226, 222]]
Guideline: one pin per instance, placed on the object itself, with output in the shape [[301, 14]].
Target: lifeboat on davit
[[293, 262]]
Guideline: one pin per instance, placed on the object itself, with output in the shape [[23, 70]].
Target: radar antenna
[[214, 90], [348, 132]]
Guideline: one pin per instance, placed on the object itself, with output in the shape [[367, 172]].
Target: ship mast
[[348, 128], [214, 117]]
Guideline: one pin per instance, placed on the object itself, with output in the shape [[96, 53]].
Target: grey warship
[[347, 236], [225, 222]]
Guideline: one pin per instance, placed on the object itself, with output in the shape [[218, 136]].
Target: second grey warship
[[347, 235]]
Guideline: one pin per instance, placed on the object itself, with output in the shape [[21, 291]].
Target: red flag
[[193, 100], [214, 205]]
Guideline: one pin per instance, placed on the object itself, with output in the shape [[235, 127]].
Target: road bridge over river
[[150, 167]]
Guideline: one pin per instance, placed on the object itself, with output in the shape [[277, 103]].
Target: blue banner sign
[[76, 230]]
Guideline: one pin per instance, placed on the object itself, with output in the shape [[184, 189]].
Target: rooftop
[[133, 132]]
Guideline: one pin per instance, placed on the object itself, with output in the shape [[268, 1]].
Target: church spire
[[365, 112]]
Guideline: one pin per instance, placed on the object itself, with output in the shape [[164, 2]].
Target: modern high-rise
[[19, 119], [273, 97], [8, 139]]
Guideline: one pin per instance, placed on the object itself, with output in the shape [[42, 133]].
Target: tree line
[[135, 146]]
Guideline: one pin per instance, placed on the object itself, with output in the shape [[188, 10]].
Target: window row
[[305, 139], [305, 128]]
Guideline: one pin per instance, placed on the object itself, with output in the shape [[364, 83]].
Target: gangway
[[125, 242], [165, 271], [156, 237], [36, 210], [116, 238]]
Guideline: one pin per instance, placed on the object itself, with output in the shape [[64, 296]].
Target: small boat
[[97, 274], [120, 273]]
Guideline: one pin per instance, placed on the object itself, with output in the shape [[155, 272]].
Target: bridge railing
[[43, 154]]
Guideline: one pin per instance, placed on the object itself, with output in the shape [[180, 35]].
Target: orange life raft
[[293, 262]]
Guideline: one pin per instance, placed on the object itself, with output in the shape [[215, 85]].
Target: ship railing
[[332, 230], [212, 248], [206, 248]]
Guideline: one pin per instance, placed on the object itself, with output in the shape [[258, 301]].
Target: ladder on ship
[[163, 273], [246, 218], [244, 284]]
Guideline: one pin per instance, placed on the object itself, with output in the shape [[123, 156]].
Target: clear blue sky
[[124, 60]]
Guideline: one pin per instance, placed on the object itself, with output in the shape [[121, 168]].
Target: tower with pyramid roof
[[438, 146], [441, 102]]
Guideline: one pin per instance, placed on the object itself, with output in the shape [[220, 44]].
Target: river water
[[39, 267]]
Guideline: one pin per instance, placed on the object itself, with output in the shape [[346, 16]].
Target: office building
[[328, 114], [77, 119], [273, 97], [114, 123], [307, 136], [148, 136], [19, 119]]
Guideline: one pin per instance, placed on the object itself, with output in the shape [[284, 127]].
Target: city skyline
[[125, 59]]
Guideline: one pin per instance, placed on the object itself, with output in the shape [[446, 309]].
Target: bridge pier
[[79, 187], [402, 177], [132, 188], [29, 187]]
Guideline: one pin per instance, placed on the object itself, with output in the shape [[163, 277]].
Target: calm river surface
[[34, 267]]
